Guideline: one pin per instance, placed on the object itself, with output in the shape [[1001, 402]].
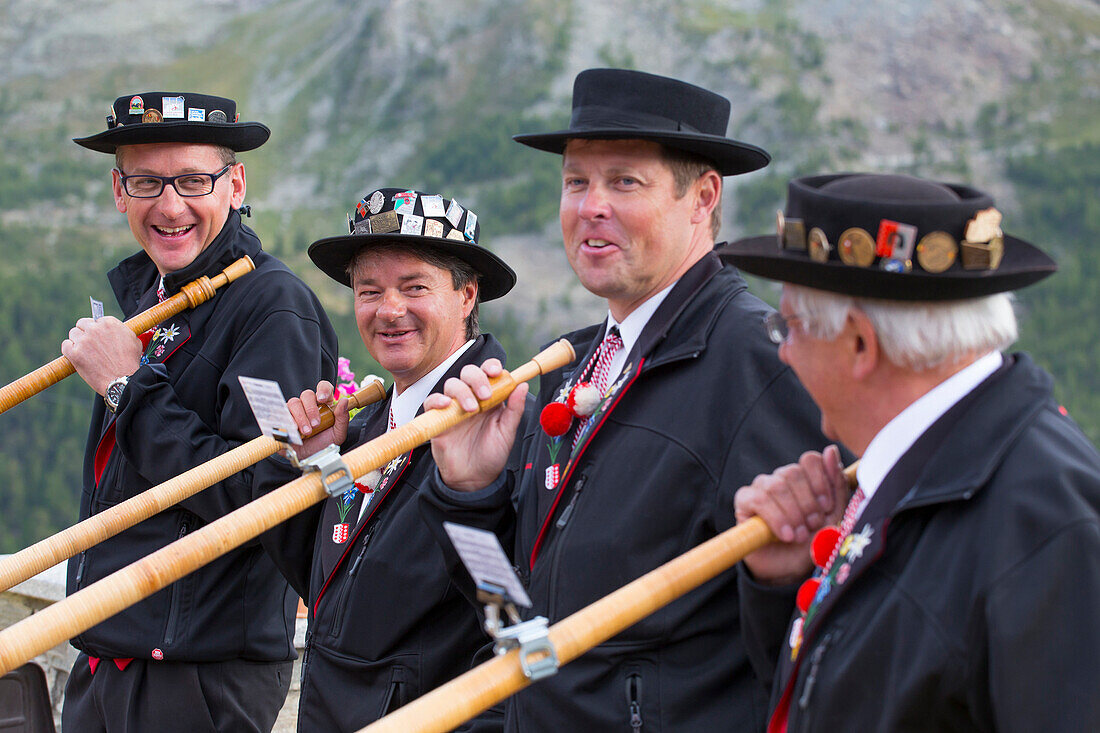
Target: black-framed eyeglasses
[[148, 186], [778, 326]]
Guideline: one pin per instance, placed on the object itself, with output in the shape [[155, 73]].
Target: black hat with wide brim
[[620, 104], [413, 219], [830, 215], [176, 117]]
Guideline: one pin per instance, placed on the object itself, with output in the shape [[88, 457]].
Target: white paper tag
[[484, 558], [97, 308], [267, 403]]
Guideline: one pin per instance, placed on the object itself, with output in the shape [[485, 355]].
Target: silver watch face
[[113, 393]]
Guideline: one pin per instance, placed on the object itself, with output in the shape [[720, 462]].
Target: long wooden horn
[[193, 294], [455, 702], [32, 560], [123, 588]]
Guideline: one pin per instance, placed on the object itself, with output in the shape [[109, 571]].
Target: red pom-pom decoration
[[823, 545], [145, 337], [806, 593], [556, 419]]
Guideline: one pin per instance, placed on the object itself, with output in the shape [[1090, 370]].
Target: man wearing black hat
[[960, 590], [214, 650], [676, 399], [386, 624]]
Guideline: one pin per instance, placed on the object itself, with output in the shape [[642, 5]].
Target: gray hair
[[462, 273], [917, 335]]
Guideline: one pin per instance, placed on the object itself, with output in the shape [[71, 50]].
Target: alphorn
[[455, 702], [34, 559], [99, 601], [192, 294]]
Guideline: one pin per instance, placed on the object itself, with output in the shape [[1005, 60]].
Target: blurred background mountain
[[1004, 94]]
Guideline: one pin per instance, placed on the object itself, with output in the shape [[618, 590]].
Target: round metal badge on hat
[[405, 217], [936, 252], [856, 247]]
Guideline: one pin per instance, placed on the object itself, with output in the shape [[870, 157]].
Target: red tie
[[393, 423], [161, 294]]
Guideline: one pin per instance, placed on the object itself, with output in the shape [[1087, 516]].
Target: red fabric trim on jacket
[[102, 455]]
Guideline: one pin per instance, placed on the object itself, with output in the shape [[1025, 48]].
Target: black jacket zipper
[[568, 511], [634, 700], [174, 607], [811, 676]]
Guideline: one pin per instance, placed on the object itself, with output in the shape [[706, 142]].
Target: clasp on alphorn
[[537, 656], [330, 464]]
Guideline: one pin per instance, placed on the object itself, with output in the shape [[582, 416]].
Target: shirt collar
[[898, 436], [631, 327], [404, 406]]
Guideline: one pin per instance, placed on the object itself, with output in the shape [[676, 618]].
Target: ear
[[237, 181], [865, 346], [116, 189], [708, 192], [468, 293]]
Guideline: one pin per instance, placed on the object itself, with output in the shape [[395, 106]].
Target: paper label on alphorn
[[484, 558], [97, 308], [266, 400]]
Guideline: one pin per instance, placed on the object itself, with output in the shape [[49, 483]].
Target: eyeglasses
[[146, 186], [778, 326]]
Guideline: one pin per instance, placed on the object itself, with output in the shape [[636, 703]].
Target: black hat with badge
[[621, 104], [176, 117], [892, 237], [407, 217]]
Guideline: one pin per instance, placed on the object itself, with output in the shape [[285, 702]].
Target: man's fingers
[[461, 392]]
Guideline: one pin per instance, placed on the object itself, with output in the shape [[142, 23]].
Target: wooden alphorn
[[191, 295], [123, 588], [474, 692], [34, 559]]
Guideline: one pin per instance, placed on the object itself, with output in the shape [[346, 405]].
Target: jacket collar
[[137, 273], [1000, 410]]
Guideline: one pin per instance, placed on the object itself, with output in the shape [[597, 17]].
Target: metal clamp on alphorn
[[335, 474], [537, 657]]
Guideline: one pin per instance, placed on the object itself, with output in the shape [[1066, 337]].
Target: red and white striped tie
[[601, 372]]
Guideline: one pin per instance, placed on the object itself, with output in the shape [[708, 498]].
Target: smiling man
[[676, 400], [212, 651], [386, 624]]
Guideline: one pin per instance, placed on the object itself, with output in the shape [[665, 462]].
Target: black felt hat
[[176, 117], [893, 237], [619, 104], [411, 218]]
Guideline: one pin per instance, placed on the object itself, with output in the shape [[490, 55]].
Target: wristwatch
[[114, 391]]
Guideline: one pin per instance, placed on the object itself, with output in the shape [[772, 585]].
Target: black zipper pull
[[811, 678], [634, 700], [363, 551], [80, 569], [568, 511]]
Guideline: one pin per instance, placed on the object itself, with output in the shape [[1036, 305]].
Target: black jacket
[[973, 606], [386, 624], [703, 406], [182, 408]]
